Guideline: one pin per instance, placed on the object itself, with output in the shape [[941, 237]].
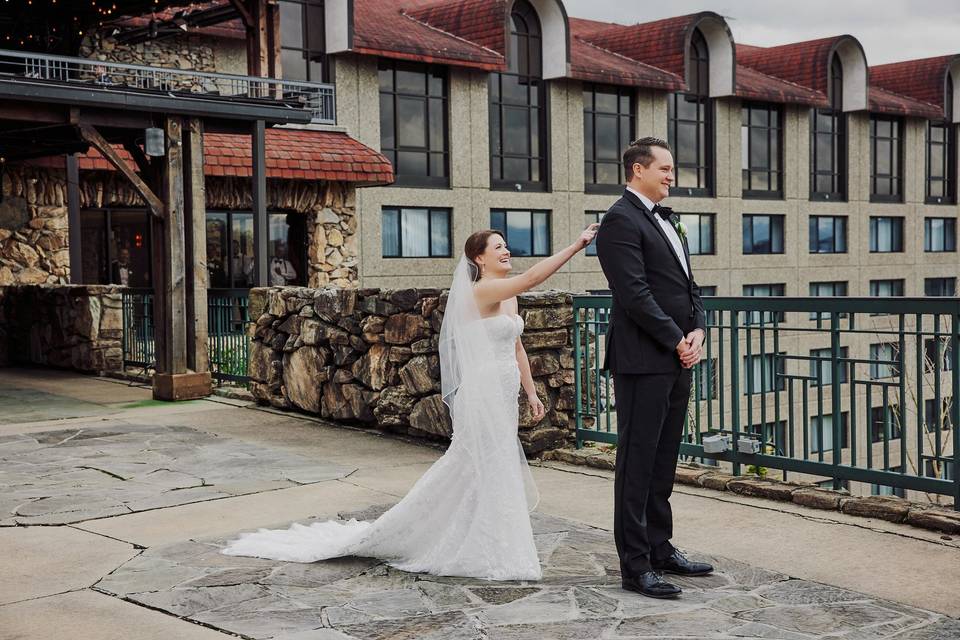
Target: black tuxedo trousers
[[650, 414]]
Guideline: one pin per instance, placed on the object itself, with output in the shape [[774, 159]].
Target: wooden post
[[172, 380], [260, 223], [73, 219], [196, 247]]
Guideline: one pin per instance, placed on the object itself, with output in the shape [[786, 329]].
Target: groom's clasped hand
[[690, 348]]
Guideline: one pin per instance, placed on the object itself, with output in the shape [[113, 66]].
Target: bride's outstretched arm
[[492, 291]]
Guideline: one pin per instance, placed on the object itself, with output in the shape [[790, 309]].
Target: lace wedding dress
[[468, 515]]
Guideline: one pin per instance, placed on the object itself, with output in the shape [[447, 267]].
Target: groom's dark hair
[[640, 151]]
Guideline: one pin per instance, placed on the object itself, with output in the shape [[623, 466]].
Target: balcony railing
[[839, 389], [33, 67]]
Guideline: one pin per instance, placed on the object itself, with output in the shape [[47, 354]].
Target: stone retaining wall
[[369, 357], [76, 327]]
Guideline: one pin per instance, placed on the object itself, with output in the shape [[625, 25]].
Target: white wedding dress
[[468, 515]]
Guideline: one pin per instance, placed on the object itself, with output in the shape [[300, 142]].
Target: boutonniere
[[680, 227]]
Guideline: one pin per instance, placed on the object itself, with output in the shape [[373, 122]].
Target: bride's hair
[[475, 245]]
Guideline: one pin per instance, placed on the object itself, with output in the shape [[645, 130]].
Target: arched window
[[941, 145], [690, 124], [518, 128], [828, 149]]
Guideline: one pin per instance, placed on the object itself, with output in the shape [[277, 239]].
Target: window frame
[[506, 230], [896, 234], [765, 317], [430, 211], [307, 34], [950, 234], [393, 153], [927, 282], [813, 230], [749, 218], [896, 155], [949, 161], [591, 112], [771, 133], [838, 140], [711, 228], [698, 77], [497, 108]]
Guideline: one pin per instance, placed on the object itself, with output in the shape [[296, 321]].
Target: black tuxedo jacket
[[655, 304]]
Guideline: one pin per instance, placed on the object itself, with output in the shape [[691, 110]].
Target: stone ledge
[[889, 508]]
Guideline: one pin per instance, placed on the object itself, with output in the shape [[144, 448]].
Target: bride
[[468, 515]]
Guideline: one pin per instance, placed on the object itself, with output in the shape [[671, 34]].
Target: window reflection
[[116, 247]]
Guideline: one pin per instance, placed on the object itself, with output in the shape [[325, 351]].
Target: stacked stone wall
[[77, 327], [369, 357]]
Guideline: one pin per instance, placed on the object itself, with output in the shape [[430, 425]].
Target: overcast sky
[[889, 30]]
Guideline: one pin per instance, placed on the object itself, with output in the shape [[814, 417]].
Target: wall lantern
[[153, 142]]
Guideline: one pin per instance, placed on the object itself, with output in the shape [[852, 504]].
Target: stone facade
[[369, 357], [73, 327], [33, 227]]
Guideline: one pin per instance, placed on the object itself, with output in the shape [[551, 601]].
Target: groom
[[655, 336]]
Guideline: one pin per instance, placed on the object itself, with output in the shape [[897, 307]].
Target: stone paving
[[77, 474], [578, 598]]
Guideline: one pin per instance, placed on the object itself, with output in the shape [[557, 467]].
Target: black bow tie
[[663, 212]]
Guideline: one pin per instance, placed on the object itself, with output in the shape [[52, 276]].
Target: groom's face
[[654, 181]]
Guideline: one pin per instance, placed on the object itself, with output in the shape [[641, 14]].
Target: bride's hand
[[536, 407], [588, 235]]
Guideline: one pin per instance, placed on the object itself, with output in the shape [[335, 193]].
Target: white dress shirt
[[668, 229]]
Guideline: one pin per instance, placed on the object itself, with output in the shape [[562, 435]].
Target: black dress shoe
[[678, 565], [650, 584]]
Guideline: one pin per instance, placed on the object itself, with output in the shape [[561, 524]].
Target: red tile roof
[[753, 85], [593, 63], [923, 79], [803, 63], [383, 28], [292, 154], [660, 44], [480, 21], [888, 102]]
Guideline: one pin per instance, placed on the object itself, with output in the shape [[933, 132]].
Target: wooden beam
[[91, 135], [173, 296], [32, 112], [73, 219], [195, 229], [143, 162], [260, 222], [245, 16], [274, 68]]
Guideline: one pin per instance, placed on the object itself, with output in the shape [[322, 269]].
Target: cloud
[[889, 31]]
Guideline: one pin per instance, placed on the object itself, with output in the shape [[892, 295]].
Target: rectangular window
[[821, 367], [828, 154], [762, 234], [607, 131], [706, 379], [883, 490], [414, 232], [938, 347], [886, 165], [886, 234], [941, 287], [821, 432], [942, 469], [883, 361], [762, 165], [413, 122], [941, 164], [592, 217], [939, 235], [884, 423], [302, 41], [700, 233], [764, 290], [527, 232], [934, 419], [763, 372], [828, 234], [886, 288], [770, 434], [116, 247], [690, 133], [829, 289]]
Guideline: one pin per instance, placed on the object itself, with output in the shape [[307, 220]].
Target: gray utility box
[[716, 443]]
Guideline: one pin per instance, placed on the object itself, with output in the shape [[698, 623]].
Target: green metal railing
[[228, 343], [847, 389]]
